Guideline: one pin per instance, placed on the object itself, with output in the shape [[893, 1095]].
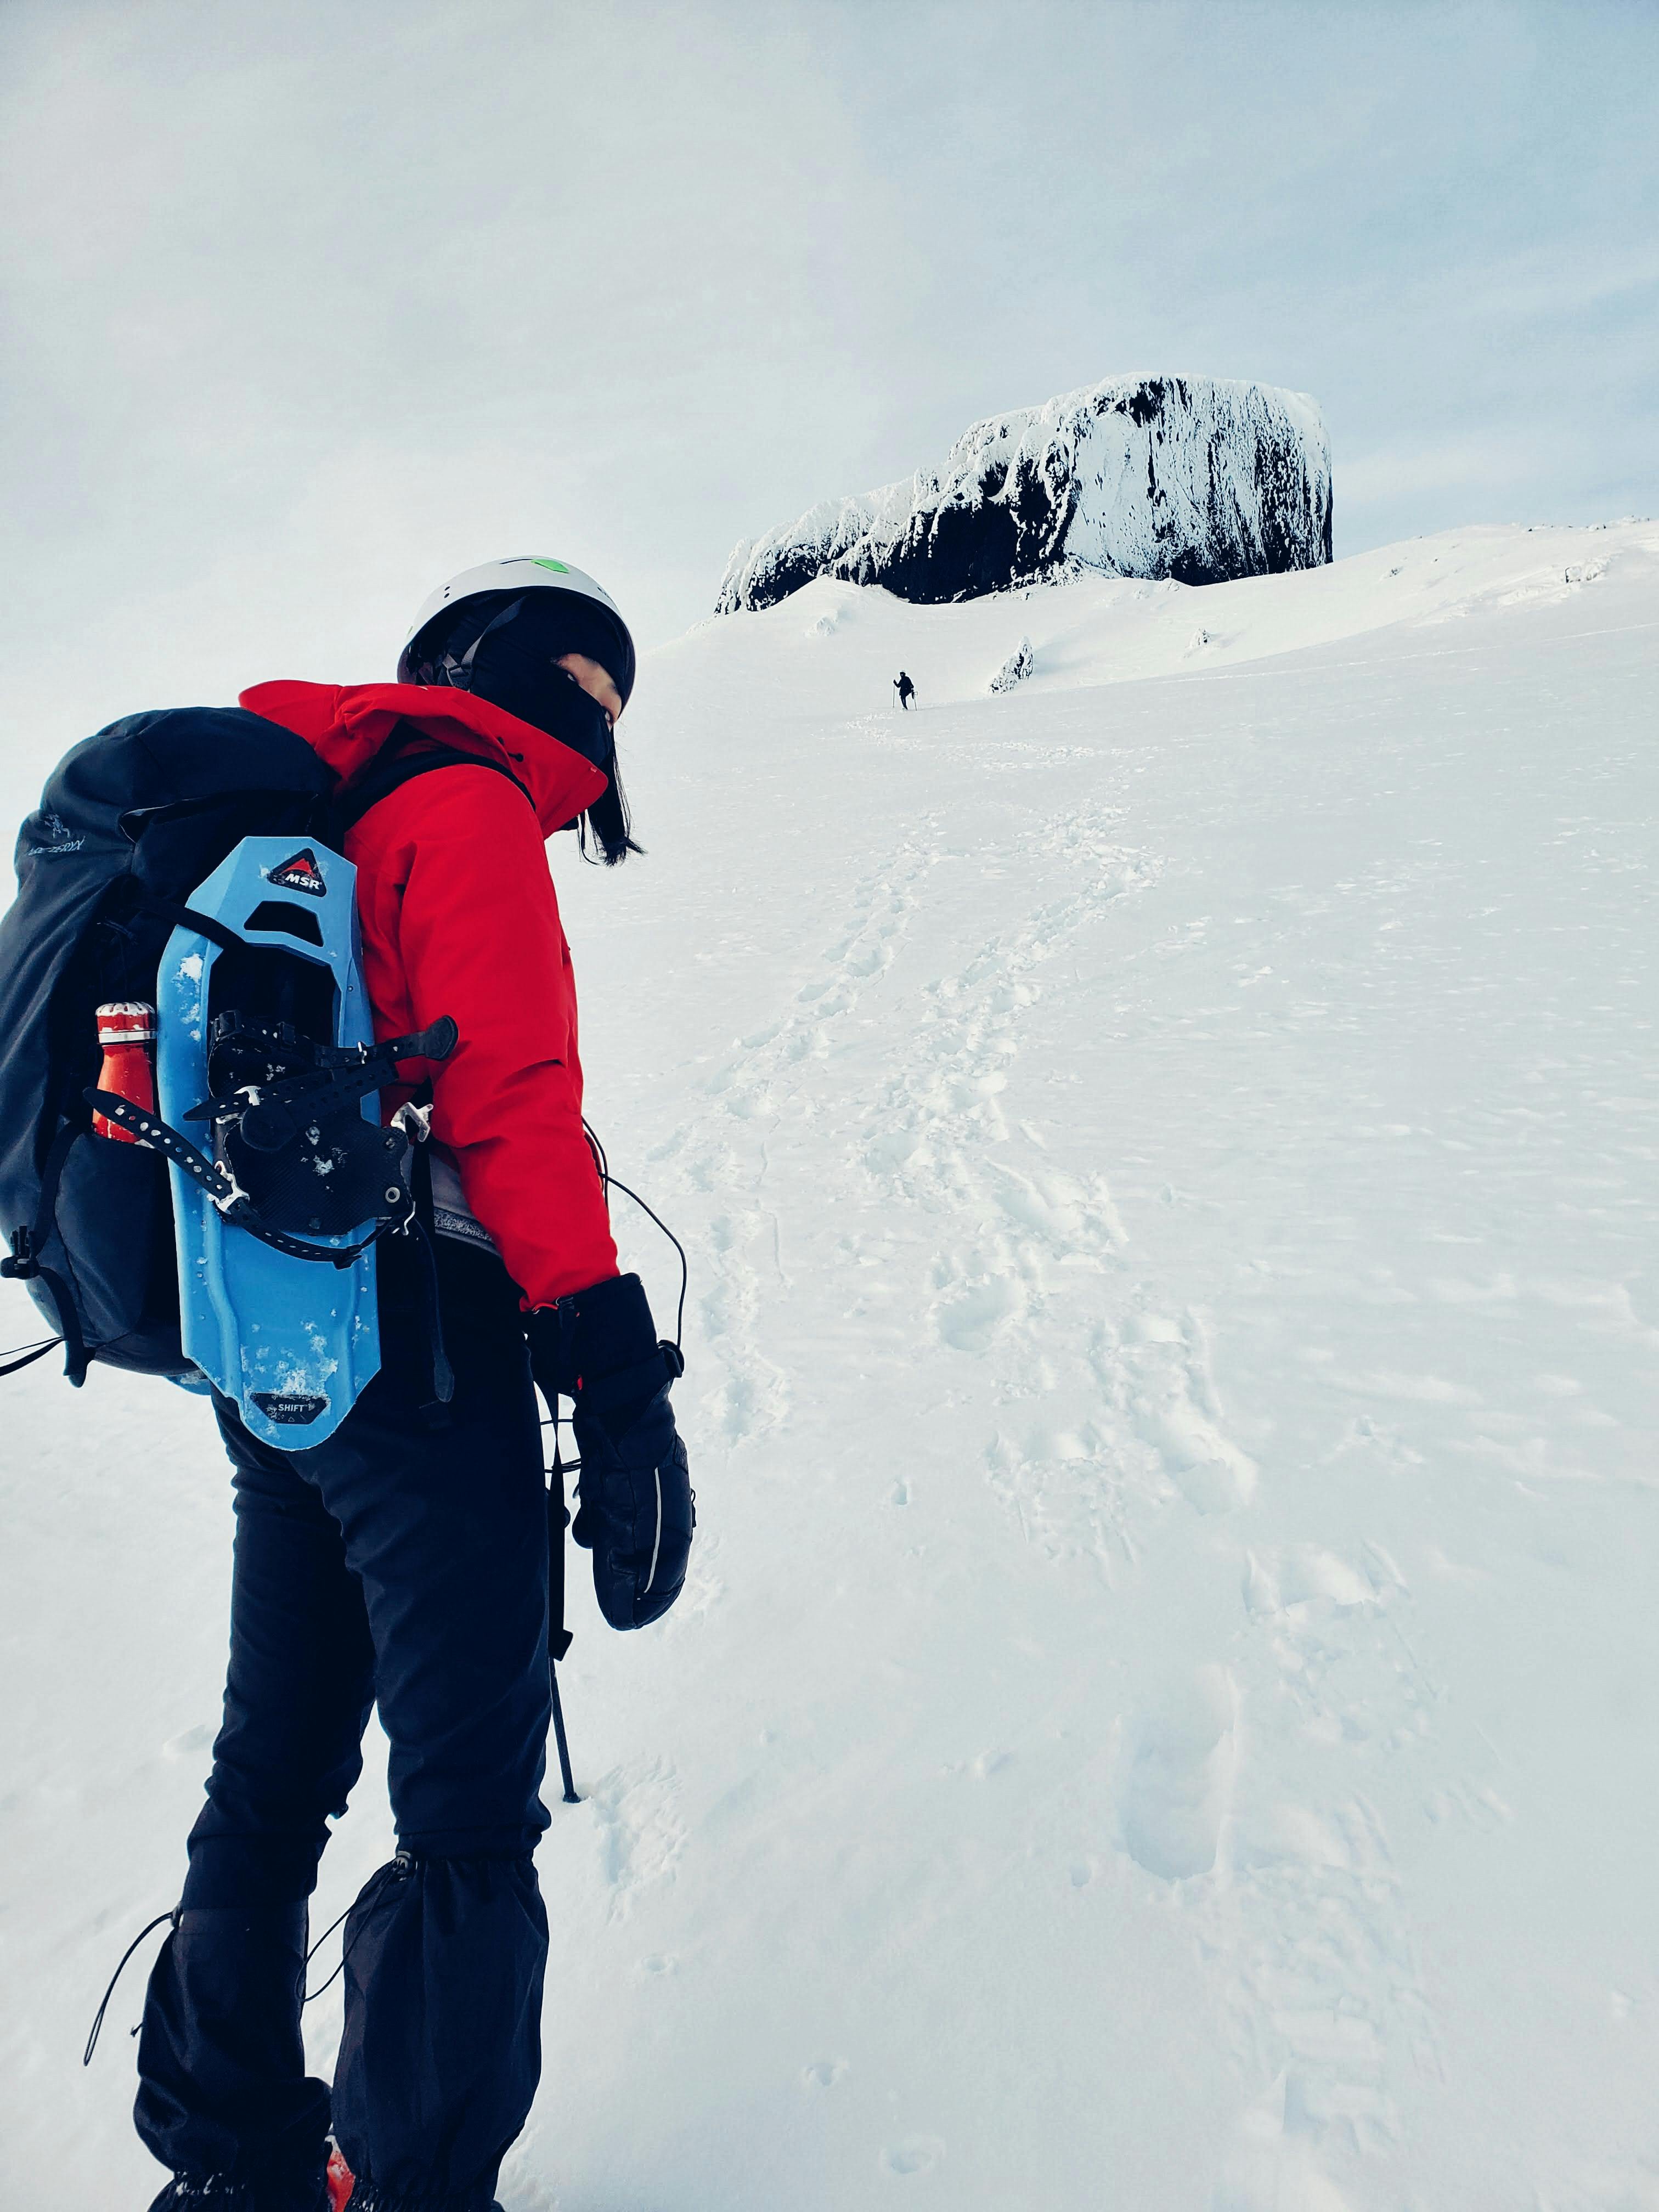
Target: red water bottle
[[126, 1031]]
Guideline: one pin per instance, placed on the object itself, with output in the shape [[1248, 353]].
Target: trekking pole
[[570, 1796], [558, 1636]]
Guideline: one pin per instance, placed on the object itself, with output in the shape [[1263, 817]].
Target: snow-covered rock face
[[1155, 477]]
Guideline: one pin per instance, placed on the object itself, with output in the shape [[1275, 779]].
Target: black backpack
[[131, 821]]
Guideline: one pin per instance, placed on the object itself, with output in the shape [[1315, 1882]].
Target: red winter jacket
[[459, 918]]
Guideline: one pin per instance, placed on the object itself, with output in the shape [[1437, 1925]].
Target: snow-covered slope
[[1154, 477], [1164, 1715], [834, 647]]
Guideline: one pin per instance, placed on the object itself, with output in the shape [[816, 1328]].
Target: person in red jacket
[[404, 1564]]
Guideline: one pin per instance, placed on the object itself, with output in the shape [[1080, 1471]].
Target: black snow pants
[[403, 1566]]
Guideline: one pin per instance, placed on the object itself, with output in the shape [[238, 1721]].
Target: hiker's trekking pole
[[558, 1636]]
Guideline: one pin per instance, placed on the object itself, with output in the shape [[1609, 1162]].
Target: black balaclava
[[506, 647]]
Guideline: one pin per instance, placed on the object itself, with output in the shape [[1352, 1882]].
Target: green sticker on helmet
[[557, 566]]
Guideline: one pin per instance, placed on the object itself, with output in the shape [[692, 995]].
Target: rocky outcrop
[[1182, 477]]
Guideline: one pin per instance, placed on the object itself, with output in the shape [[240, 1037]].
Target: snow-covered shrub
[[1015, 670]]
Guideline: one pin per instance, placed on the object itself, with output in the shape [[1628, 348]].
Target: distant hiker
[[403, 1562], [906, 689]]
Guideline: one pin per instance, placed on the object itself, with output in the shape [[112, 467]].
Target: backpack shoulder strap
[[407, 753]]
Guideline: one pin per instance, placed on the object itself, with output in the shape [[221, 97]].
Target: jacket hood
[[346, 725]]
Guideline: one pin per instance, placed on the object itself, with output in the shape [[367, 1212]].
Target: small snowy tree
[[1016, 667]]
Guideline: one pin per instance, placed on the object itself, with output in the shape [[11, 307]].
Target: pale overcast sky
[[309, 306]]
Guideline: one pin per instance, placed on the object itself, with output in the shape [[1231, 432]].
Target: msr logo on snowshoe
[[292, 1409], [301, 873]]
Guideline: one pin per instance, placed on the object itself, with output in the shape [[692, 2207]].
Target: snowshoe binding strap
[[290, 1151], [286, 1103], [233, 1202]]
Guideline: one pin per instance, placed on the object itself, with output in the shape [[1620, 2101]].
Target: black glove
[[599, 1346]]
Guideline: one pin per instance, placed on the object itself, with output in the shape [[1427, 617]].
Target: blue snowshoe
[[266, 1051]]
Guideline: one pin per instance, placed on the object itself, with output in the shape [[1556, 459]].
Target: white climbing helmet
[[524, 572]]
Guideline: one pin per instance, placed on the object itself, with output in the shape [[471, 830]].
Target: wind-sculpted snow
[[1153, 477]]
